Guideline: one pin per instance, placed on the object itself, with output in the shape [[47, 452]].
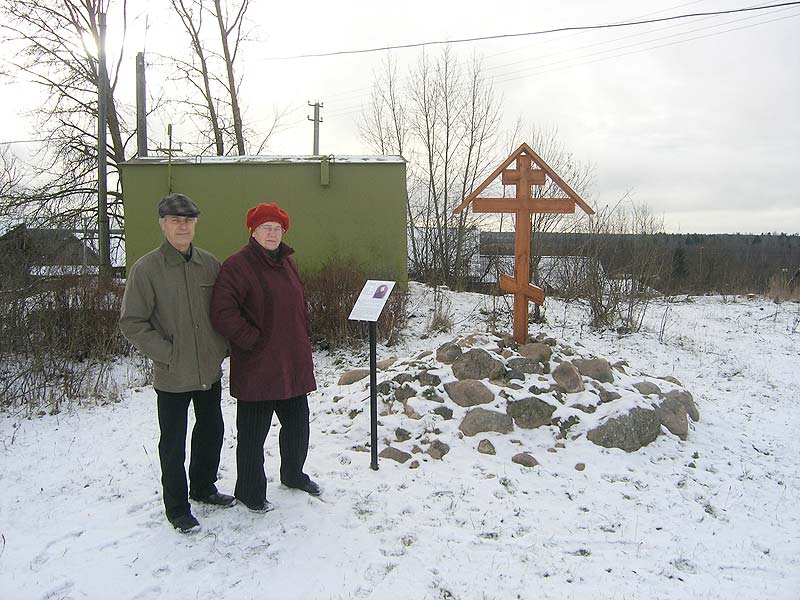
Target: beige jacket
[[165, 315]]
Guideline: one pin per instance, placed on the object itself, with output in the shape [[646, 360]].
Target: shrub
[[442, 318], [56, 340], [331, 293]]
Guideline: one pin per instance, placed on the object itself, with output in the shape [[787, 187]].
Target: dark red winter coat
[[259, 305]]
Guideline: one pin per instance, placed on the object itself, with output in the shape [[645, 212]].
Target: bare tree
[[625, 258], [57, 49], [209, 72], [198, 73], [10, 176], [385, 124], [230, 34], [444, 119]]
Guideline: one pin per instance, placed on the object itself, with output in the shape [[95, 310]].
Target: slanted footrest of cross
[[529, 291]]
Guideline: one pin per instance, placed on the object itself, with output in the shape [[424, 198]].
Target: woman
[[259, 305]]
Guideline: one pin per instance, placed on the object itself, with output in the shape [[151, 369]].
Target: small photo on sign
[[381, 291]]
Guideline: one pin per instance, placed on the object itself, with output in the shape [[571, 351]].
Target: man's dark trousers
[[206, 445]]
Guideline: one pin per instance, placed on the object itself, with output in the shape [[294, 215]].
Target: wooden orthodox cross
[[523, 206]]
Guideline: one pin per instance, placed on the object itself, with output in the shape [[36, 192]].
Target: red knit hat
[[264, 213]]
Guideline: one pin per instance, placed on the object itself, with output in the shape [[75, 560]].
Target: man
[[165, 315]]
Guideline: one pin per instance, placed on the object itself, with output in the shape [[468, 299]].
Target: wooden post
[[104, 239], [141, 107]]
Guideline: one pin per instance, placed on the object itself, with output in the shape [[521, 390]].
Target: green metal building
[[348, 207]]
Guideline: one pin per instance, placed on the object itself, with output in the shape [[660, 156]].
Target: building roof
[[263, 160], [46, 246]]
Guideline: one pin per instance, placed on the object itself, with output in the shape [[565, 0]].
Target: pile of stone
[[489, 383]]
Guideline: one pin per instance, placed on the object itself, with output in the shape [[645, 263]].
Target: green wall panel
[[360, 215]]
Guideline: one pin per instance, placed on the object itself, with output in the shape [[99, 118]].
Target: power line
[[352, 99], [585, 58], [648, 14], [10, 142], [532, 33], [502, 78]]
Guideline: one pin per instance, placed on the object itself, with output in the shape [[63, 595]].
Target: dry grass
[[782, 287]]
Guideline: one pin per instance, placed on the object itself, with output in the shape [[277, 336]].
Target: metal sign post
[[373, 395], [368, 307]]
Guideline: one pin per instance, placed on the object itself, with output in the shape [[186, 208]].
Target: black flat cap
[[178, 205]]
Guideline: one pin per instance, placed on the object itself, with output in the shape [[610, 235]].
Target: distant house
[[424, 244], [27, 253], [559, 275]]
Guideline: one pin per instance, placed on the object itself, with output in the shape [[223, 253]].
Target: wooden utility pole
[[141, 107], [523, 206], [104, 241], [317, 120]]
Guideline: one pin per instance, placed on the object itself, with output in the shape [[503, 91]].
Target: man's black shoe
[[216, 499], [185, 523], [310, 487], [261, 507]]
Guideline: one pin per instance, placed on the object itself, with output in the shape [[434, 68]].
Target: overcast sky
[[697, 118]]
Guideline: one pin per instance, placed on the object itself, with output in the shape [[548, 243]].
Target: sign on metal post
[[368, 307]]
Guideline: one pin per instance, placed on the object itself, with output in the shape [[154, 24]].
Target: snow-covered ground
[[716, 516]]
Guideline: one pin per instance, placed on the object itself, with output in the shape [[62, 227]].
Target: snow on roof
[[277, 159]]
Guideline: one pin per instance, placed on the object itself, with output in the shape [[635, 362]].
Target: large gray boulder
[[536, 351], [349, 377], [443, 411], [480, 420], [477, 363], [486, 447], [687, 401], [645, 388], [448, 353], [628, 432], [438, 449], [402, 378], [394, 454], [505, 340], [568, 377], [469, 392], [404, 392], [386, 363], [595, 368], [530, 413], [672, 415], [526, 365], [428, 379], [525, 459]]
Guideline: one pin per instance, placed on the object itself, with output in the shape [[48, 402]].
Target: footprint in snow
[[59, 591], [54, 549]]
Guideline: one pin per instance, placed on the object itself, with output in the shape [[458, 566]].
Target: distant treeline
[[690, 263]]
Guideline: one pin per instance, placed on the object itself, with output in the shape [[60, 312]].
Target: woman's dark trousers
[[206, 445], [253, 420]]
